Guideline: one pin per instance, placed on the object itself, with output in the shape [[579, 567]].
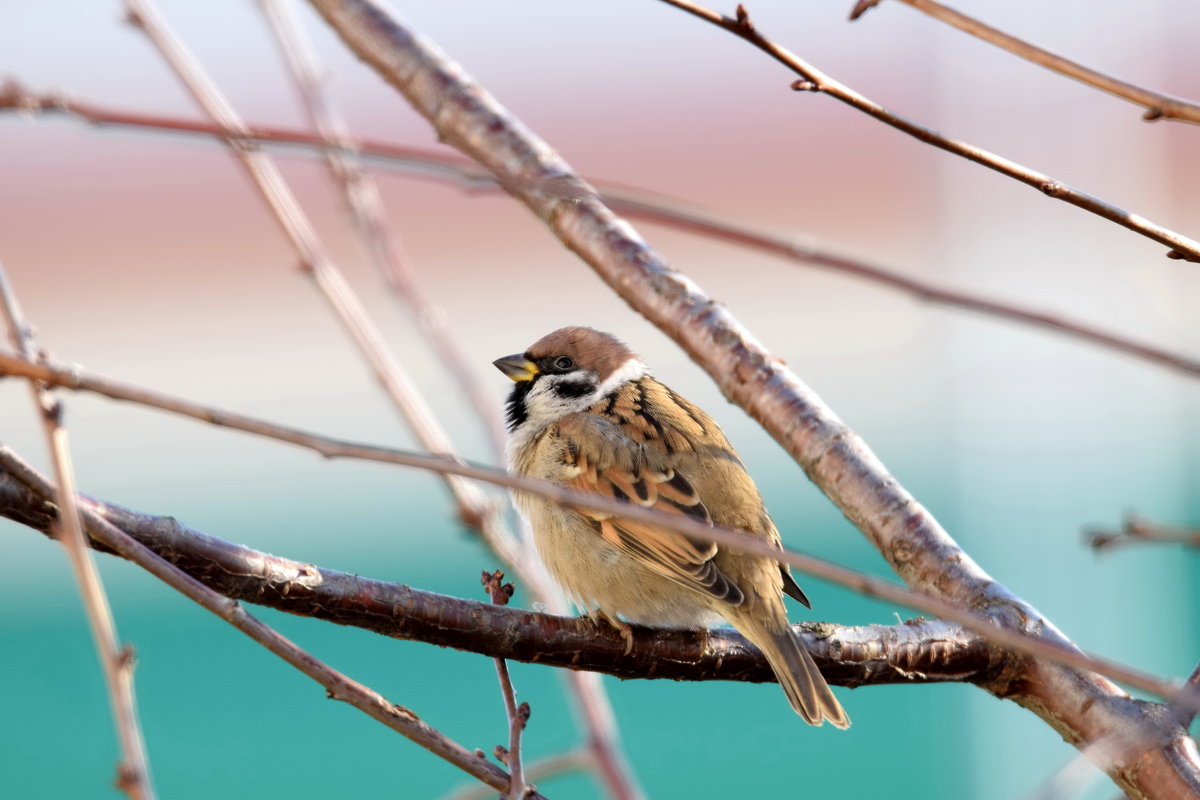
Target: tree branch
[[26, 497], [518, 715], [545, 768], [1157, 104], [919, 651], [813, 80], [632, 203], [1081, 706], [1136, 530], [1032, 639], [116, 661], [363, 202]]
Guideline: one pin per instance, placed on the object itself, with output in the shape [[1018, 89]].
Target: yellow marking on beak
[[517, 367]]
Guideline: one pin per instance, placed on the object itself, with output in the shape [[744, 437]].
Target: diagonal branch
[[1080, 705], [436, 166], [26, 496], [133, 773], [991, 596], [362, 198], [918, 651], [365, 206], [1157, 104], [813, 80], [474, 509]]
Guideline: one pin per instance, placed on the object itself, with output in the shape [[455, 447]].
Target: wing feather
[[618, 467]]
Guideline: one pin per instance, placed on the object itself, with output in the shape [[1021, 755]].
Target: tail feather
[[802, 682]]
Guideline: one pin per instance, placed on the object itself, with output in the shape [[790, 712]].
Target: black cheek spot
[[516, 412], [573, 389]]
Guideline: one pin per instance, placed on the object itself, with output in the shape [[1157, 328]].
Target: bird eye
[[563, 363]]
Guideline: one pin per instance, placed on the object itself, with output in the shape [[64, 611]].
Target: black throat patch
[[515, 411]]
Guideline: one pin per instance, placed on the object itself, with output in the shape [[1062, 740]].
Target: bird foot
[[623, 627]]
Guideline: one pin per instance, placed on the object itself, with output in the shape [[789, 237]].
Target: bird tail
[[796, 672]]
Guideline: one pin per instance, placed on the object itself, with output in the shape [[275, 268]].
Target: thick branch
[[437, 166], [1157, 104], [26, 496], [1082, 706], [997, 629], [915, 652]]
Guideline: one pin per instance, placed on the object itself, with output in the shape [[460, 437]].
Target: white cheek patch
[[544, 406], [631, 370]]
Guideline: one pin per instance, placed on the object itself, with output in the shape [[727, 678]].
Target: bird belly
[[598, 576]]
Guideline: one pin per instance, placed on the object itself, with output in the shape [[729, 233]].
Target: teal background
[[147, 258]]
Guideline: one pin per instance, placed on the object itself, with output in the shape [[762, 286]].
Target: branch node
[[500, 593], [743, 19], [126, 657], [862, 7], [1053, 189], [803, 85]]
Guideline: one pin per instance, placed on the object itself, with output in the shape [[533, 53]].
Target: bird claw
[[623, 627]]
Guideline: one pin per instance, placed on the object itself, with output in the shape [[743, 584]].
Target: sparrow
[[586, 414]]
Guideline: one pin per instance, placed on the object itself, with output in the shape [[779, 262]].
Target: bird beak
[[517, 367]]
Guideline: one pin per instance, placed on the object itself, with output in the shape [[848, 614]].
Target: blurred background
[[148, 257]]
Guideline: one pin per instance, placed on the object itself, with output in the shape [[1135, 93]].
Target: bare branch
[[1081, 706], [1157, 104], [473, 507], [363, 201], [133, 773], [24, 489], [636, 204], [813, 80], [992, 595], [545, 768], [1136, 530], [518, 715], [917, 651]]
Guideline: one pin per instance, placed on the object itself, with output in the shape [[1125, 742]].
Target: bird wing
[[598, 458]]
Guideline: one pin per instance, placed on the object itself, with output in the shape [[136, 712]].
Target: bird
[[585, 413]]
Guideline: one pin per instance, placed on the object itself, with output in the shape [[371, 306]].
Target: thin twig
[[335, 448], [632, 203], [813, 80], [314, 261], [1157, 104], [338, 686], [549, 767], [365, 205], [804, 252], [133, 772], [1137, 530], [362, 198], [518, 715]]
